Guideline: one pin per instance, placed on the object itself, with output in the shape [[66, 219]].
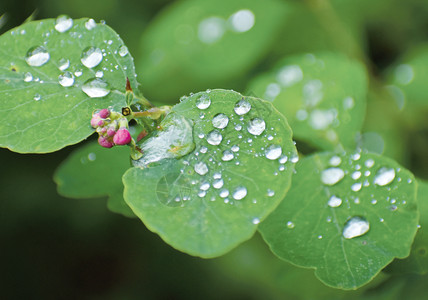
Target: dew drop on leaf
[[218, 183], [224, 193], [255, 221], [123, 51], [256, 126], [63, 23], [227, 155], [205, 186], [66, 79], [64, 64], [335, 161], [90, 24], [91, 57], [384, 176], [290, 225], [28, 77], [201, 168], [96, 88], [332, 176], [203, 102], [235, 148], [273, 152], [220, 121], [242, 21], [356, 226], [214, 138], [239, 193], [369, 163], [242, 107], [356, 186], [334, 201], [37, 56], [37, 97]]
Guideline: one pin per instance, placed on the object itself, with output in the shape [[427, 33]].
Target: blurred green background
[[57, 248]]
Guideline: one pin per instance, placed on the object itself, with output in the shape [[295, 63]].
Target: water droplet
[[227, 155], [283, 159], [255, 221], [334, 201], [99, 74], [224, 193], [332, 176], [356, 156], [289, 75], [63, 23], [312, 92], [348, 103], [203, 149], [91, 57], [273, 152], [90, 24], [211, 30], [66, 79], [28, 77], [335, 161], [78, 73], [367, 173], [384, 176], [235, 148], [369, 163], [374, 201], [290, 225], [202, 194], [294, 159], [242, 21], [319, 237], [96, 88], [242, 107], [356, 175], [270, 193], [239, 193], [92, 156], [37, 56], [218, 183], [356, 226], [201, 168], [220, 121], [37, 97], [214, 138], [356, 186], [238, 127], [203, 102], [205, 186], [217, 176], [123, 51], [256, 126]]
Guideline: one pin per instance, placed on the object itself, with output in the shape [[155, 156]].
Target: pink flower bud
[[105, 142], [111, 132], [104, 113], [122, 137], [95, 121]]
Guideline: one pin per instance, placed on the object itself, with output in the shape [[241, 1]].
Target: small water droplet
[[201, 168], [239, 193], [63, 64], [356, 186], [335, 161], [356, 156], [242, 107], [273, 152], [203, 102], [384, 176], [220, 121], [290, 225], [92, 156], [99, 74], [235, 148], [28, 77], [320, 237], [289, 75], [96, 88], [63, 23], [214, 138], [218, 183], [354, 227], [90, 24], [369, 163], [348, 103], [356, 175], [37, 56], [332, 176], [224, 193], [78, 73], [66, 79], [217, 176], [270, 193], [37, 97], [205, 186], [91, 57], [123, 51], [374, 201], [256, 126], [202, 194], [255, 221], [203, 149], [238, 127], [227, 155], [334, 201]]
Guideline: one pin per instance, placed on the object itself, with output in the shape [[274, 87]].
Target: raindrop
[[334, 201], [202, 194], [356, 186], [335, 161], [37, 56], [294, 159], [66, 79], [356, 226], [78, 73], [290, 225], [96, 88], [239, 193], [356, 156], [384, 176], [332, 176], [227, 155], [320, 237], [201, 168], [242, 107], [242, 21], [256, 126], [273, 152], [301, 115], [374, 201], [218, 183], [123, 51], [28, 77], [64, 64], [203, 102], [90, 24], [214, 138], [91, 57], [224, 193], [272, 90], [220, 121], [63, 23]]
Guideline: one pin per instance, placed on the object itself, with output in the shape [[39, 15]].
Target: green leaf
[[42, 99], [207, 201], [195, 44], [417, 262], [93, 171], [323, 96], [346, 216]]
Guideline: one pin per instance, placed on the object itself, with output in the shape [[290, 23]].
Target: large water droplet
[[220, 121], [37, 56], [227, 155], [203, 102], [384, 176], [96, 88], [242, 21], [273, 152], [239, 193], [242, 107], [91, 57], [201, 168], [256, 126], [66, 79], [63, 23], [334, 201], [354, 227], [214, 138], [332, 176]]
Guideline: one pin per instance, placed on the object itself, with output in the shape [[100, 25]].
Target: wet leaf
[[53, 75], [347, 216], [235, 170]]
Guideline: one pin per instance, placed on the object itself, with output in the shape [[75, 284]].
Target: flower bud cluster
[[112, 128]]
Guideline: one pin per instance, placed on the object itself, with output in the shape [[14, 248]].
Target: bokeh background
[[57, 248]]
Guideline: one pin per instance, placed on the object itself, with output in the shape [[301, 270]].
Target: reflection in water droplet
[[96, 88], [289, 75], [203, 102], [356, 226], [63, 23], [335, 161], [201, 168], [227, 155], [290, 225], [123, 51], [91, 57], [90, 24], [242, 107], [273, 152], [220, 121], [256, 126], [384, 176], [242, 21], [37, 56], [332, 176], [214, 138], [239, 193], [334, 201], [28, 77], [66, 79]]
